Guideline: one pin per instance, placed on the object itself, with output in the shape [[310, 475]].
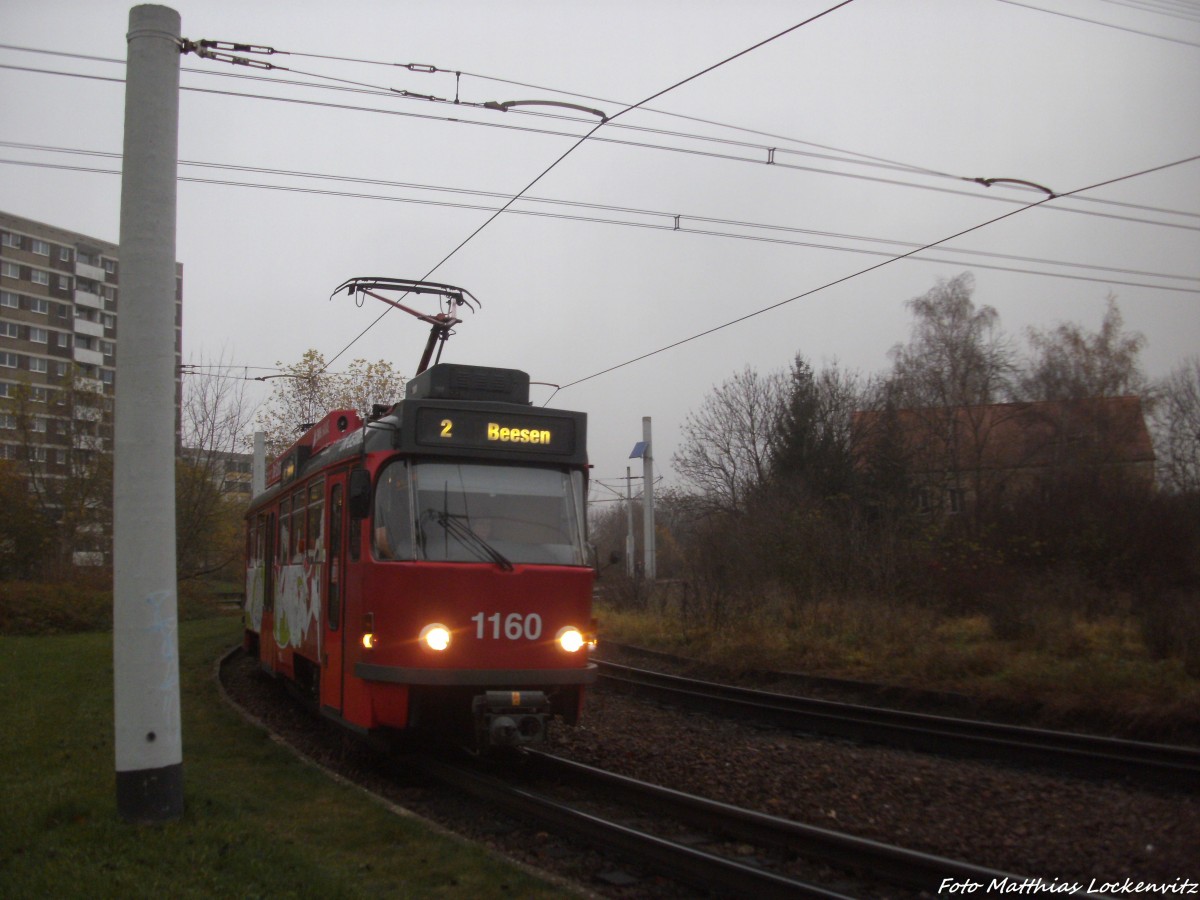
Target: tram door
[[266, 634], [333, 639]]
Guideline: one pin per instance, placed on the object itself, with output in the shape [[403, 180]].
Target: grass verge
[[1094, 673], [257, 822]]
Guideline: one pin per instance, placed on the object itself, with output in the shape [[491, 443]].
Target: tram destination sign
[[481, 430]]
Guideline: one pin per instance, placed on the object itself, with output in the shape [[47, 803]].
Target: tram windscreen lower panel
[[470, 512]]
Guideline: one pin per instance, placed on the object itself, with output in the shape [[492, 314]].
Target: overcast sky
[[859, 129]]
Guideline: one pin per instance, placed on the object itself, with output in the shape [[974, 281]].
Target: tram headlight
[[435, 636], [570, 639]]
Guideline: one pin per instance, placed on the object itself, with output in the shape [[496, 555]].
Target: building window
[[64, 254], [10, 270], [39, 335], [957, 499], [64, 339], [41, 248], [38, 365], [60, 371], [8, 360], [107, 376], [37, 276], [10, 330], [107, 347], [8, 422], [64, 282], [9, 299], [38, 305], [110, 266]]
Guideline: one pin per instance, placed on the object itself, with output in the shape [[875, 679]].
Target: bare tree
[[956, 364], [1071, 364], [63, 431], [725, 452], [208, 503], [25, 533], [1177, 421]]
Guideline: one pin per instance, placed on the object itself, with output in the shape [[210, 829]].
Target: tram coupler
[[510, 718]]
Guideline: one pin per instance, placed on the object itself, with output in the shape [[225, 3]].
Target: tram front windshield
[[471, 512]]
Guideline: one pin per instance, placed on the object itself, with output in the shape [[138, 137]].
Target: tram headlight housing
[[435, 636], [570, 639]]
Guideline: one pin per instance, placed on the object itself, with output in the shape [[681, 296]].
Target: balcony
[[89, 357], [96, 273], [92, 329], [88, 299]]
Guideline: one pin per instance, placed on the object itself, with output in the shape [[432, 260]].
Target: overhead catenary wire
[[1180, 11], [378, 90], [584, 138], [1078, 18], [1030, 205], [853, 275], [674, 224], [767, 155]]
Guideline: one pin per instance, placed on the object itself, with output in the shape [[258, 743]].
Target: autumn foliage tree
[[305, 391]]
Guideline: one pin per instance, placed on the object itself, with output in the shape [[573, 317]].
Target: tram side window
[[285, 527], [316, 518], [298, 534], [260, 552], [335, 549], [393, 538], [251, 530]]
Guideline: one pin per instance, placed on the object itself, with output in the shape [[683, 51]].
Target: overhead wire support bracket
[[207, 49], [237, 48], [509, 104], [988, 182]]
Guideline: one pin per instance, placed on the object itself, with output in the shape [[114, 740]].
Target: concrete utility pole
[[648, 500], [149, 746], [629, 546]]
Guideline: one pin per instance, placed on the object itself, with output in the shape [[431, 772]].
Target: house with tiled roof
[[959, 458]]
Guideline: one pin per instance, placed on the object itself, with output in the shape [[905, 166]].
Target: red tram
[[427, 569]]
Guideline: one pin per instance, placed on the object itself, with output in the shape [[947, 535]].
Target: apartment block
[[60, 314]]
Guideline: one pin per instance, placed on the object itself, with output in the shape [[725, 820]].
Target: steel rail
[[1177, 765], [703, 870], [895, 865]]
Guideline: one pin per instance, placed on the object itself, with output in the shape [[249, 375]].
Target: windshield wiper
[[457, 527]]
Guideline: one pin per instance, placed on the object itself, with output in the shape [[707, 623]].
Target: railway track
[[690, 838], [1172, 765]]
